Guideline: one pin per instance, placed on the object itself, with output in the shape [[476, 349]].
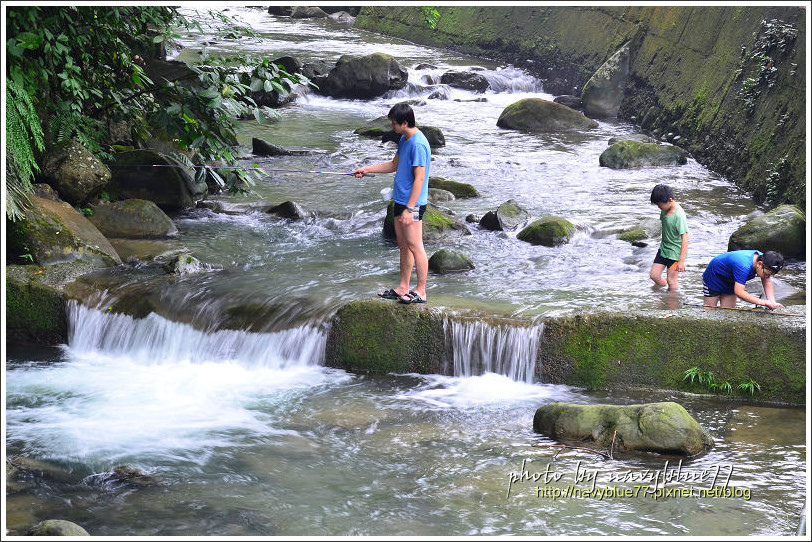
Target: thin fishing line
[[316, 171], [760, 311]]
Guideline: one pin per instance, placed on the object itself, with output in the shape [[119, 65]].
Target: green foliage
[[23, 136], [431, 16], [87, 211], [708, 380], [80, 68]]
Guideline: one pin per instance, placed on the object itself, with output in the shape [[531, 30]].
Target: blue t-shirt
[[729, 268], [412, 152]]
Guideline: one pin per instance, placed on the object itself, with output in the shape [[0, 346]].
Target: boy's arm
[[683, 253], [384, 167], [744, 295]]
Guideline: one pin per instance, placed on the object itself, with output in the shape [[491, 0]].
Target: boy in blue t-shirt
[[726, 274], [411, 165], [674, 246]]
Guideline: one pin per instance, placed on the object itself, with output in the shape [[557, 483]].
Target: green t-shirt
[[673, 228]]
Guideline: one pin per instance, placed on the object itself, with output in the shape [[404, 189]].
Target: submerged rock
[[57, 527], [665, 427]]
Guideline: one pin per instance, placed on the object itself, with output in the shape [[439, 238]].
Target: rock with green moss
[[132, 219], [783, 229], [543, 116], [381, 336], [437, 225], [628, 154], [665, 427], [645, 229], [35, 312], [460, 190], [57, 527], [548, 231], [603, 92], [381, 128], [449, 261], [53, 232]]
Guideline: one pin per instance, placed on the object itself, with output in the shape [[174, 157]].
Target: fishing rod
[[761, 311], [316, 171]]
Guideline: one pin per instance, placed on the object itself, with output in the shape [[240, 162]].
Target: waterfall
[[480, 347], [155, 339]]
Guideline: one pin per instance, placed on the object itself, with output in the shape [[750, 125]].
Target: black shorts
[[400, 208], [670, 264]]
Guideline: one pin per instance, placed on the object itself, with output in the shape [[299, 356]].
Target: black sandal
[[410, 298]]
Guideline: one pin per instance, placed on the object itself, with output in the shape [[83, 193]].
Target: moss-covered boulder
[[54, 232], [35, 313], [74, 172], [783, 229], [364, 77], [543, 116], [57, 527], [654, 427], [381, 336], [603, 92], [628, 153], [437, 225], [460, 190], [132, 219], [548, 231], [645, 229], [449, 261]]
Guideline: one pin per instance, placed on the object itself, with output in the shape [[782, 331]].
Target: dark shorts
[[400, 208], [670, 264], [707, 292]]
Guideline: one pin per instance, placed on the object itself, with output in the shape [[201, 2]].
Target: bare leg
[[672, 277], [727, 300], [711, 301], [656, 274], [414, 254], [406, 259]]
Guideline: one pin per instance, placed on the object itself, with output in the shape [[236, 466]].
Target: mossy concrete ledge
[[384, 336], [599, 350]]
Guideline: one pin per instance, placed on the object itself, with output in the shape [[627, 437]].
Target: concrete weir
[[729, 353]]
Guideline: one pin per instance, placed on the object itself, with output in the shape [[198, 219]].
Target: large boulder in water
[[381, 127], [508, 216], [74, 172], [465, 80], [460, 190], [449, 261], [53, 232], [364, 77], [154, 176], [543, 116], [603, 92], [132, 218], [783, 229], [307, 12], [665, 427], [628, 154], [57, 527], [548, 231]]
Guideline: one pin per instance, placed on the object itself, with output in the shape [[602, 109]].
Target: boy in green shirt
[[674, 245]]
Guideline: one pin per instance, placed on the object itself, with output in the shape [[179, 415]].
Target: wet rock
[[381, 127], [57, 527], [146, 250], [46, 192], [548, 231], [132, 218], [438, 195], [629, 154], [261, 147], [290, 209], [342, 17], [316, 69], [654, 427], [543, 116], [230, 208], [573, 102], [74, 172], [783, 229], [509, 215], [603, 92], [154, 176], [449, 261], [182, 264], [465, 80], [54, 232], [460, 190], [306, 12], [365, 77], [645, 229], [643, 138]]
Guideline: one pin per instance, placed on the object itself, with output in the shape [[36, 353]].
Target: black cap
[[773, 261]]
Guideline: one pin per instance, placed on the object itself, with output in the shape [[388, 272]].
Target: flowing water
[[244, 432]]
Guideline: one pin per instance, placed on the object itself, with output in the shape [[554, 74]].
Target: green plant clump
[[707, 379]]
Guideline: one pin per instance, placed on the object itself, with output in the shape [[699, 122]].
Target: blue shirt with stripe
[[412, 152], [729, 268]]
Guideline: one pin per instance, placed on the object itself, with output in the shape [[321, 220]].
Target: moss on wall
[[729, 80], [35, 312]]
